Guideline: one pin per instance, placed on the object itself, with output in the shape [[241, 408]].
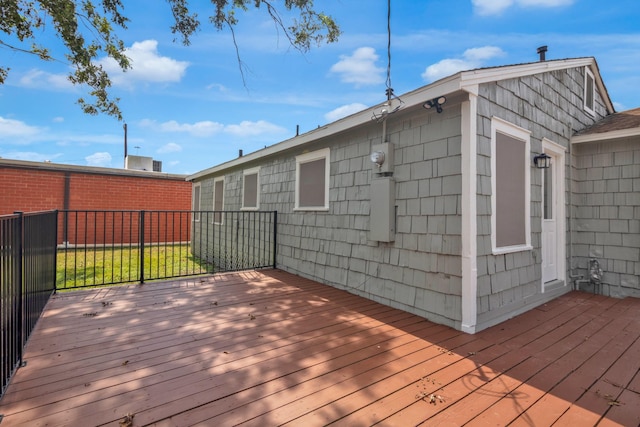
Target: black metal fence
[[27, 280], [48, 251], [107, 247]]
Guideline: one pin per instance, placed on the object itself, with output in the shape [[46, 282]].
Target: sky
[[189, 107]]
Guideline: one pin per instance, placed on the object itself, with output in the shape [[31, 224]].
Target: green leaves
[[89, 30]]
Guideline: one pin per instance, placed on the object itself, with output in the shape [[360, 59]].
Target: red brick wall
[[26, 190], [34, 189]]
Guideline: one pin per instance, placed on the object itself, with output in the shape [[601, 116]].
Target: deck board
[[270, 348]]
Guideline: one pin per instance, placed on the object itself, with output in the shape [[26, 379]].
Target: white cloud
[[344, 111], [247, 128], [208, 128], [200, 129], [359, 68], [491, 7], [545, 3], [146, 66], [58, 119], [471, 58], [29, 156], [496, 7], [171, 147], [38, 79], [17, 131], [102, 159]]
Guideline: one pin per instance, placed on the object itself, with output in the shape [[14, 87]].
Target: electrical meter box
[[382, 219]]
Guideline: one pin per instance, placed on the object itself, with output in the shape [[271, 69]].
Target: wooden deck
[[269, 348]]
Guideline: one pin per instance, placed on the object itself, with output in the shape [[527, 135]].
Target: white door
[[549, 225], [553, 216]]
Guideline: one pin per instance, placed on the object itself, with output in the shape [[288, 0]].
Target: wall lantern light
[[435, 103], [542, 161]]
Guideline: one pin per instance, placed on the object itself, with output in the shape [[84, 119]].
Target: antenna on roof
[[542, 50], [125, 143]]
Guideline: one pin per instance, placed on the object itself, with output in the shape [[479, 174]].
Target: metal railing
[[108, 247], [56, 250], [27, 280]]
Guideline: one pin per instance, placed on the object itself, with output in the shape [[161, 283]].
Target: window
[[218, 199], [196, 202], [510, 187], [250, 189], [589, 91], [312, 180]]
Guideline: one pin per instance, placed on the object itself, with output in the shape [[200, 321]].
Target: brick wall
[[29, 187]]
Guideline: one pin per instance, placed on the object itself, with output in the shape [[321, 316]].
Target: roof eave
[[606, 136], [467, 81], [410, 99]]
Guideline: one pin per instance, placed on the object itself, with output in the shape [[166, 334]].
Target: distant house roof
[[463, 81], [619, 125]]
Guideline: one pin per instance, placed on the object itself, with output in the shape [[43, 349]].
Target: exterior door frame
[[558, 160]]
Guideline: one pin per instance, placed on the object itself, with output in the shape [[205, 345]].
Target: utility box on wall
[[382, 220], [382, 157]]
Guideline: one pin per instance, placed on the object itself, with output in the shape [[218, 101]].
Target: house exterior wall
[[426, 270], [420, 271], [549, 105], [607, 213]]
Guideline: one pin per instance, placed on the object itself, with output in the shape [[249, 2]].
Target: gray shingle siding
[[549, 105], [421, 271], [607, 220]]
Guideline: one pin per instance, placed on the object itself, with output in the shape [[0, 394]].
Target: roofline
[[606, 136], [60, 167], [467, 81]]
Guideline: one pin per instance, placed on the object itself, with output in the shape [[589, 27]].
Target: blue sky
[[188, 107]]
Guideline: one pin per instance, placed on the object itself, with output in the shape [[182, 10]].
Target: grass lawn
[[80, 267]]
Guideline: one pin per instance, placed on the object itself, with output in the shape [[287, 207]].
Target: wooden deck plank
[[457, 386], [277, 348]]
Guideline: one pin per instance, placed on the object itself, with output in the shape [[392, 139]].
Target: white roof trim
[[606, 136], [467, 81]]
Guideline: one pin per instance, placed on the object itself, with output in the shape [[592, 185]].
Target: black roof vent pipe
[[542, 50]]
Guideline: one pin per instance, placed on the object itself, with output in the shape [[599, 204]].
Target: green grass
[[90, 266]]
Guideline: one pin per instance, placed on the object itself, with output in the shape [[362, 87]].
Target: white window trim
[[196, 215], [507, 128], [588, 74], [213, 220], [252, 171], [309, 157]]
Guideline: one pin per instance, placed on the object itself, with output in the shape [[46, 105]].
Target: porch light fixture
[[542, 161], [435, 103]]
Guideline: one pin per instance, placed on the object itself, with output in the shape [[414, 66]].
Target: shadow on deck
[[270, 348]]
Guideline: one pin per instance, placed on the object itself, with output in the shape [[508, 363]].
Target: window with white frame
[[196, 202], [589, 91], [312, 180], [218, 200], [251, 189], [510, 187]]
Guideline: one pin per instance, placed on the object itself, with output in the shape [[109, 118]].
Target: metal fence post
[[275, 237], [20, 282], [141, 246], [55, 254]]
